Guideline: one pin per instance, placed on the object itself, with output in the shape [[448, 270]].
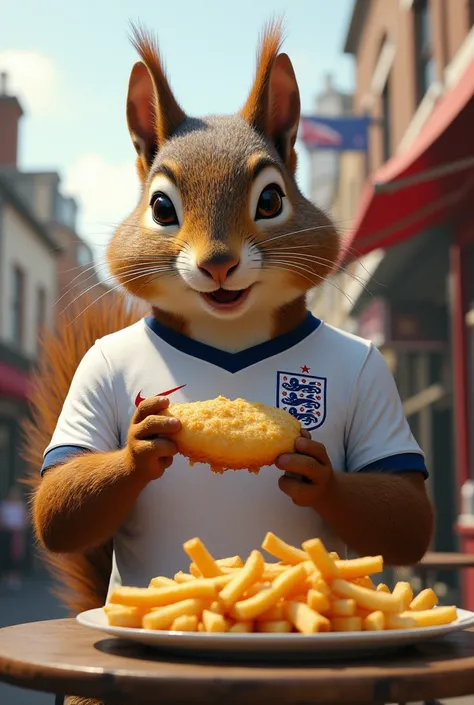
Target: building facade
[[405, 280], [44, 266]]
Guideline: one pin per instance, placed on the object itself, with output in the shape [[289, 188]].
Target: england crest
[[304, 397]]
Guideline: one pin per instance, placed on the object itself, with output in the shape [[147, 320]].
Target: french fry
[[230, 562], [318, 601], [321, 559], [405, 591], [199, 554], [374, 622], [123, 616], [367, 598], [365, 582], [309, 590], [185, 623], [346, 624], [278, 548], [219, 581], [160, 597], [241, 628], [274, 614], [344, 607], [431, 617], [321, 586], [161, 581], [301, 589], [276, 627], [425, 600], [194, 570], [359, 567], [299, 598], [180, 578], [214, 622], [281, 586], [255, 589], [304, 619], [272, 571], [164, 617], [398, 621], [242, 581]]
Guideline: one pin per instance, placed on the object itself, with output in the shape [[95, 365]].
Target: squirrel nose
[[219, 267]]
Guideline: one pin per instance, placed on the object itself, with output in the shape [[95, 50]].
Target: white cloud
[[106, 193], [35, 79]]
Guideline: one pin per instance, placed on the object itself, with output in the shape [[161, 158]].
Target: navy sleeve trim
[[402, 462], [61, 454]]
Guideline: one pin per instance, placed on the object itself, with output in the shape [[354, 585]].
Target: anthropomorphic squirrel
[[223, 247]]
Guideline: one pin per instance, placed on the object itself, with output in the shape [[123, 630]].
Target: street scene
[[362, 146]]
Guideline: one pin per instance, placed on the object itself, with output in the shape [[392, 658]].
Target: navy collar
[[234, 362]]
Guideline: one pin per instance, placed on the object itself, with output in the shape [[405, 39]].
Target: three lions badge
[[304, 397]]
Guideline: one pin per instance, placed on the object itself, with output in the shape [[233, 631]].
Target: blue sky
[[70, 62]]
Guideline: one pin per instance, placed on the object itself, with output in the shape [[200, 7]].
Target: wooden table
[[434, 562], [60, 656]]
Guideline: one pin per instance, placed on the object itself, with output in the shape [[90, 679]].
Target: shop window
[[41, 310], [425, 64], [17, 314], [386, 132]]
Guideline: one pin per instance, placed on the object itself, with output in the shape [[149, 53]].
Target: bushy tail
[[81, 579]]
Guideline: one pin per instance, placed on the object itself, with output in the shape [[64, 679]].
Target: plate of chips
[[308, 601]]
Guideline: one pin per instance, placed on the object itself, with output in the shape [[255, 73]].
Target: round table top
[[446, 560], [61, 656]]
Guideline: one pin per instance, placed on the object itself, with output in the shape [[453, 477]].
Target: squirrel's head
[[221, 228]]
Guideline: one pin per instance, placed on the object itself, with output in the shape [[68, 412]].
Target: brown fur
[[209, 166], [212, 160], [216, 157], [82, 579], [159, 115]]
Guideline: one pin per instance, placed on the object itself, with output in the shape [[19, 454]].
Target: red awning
[[13, 382], [422, 186]]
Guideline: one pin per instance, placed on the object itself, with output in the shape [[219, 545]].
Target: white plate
[[335, 644]]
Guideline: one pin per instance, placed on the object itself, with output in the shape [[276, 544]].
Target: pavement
[[34, 602]]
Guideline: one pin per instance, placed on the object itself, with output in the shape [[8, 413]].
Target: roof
[[20, 206], [356, 25]]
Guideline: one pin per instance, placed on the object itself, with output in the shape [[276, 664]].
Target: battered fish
[[233, 435]]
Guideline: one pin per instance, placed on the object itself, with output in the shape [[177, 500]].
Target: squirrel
[[223, 248]]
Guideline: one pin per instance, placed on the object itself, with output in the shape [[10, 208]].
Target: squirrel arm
[[81, 504], [381, 513]]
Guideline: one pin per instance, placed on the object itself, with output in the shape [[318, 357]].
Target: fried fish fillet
[[233, 435]]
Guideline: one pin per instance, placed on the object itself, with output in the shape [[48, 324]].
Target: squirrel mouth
[[226, 298]]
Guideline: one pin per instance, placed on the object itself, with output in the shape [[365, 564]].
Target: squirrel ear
[[273, 106], [284, 109], [141, 111], [153, 113]]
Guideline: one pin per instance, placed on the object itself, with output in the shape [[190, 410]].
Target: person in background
[[13, 525]]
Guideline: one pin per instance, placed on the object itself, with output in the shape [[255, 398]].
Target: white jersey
[[338, 385]]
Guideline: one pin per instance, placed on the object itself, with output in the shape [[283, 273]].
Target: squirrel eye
[[164, 212], [270, 203]]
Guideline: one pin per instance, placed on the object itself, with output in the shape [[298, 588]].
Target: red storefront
[[14, 392], [429, 184]]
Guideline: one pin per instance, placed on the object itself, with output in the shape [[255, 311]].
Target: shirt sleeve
[[378, 437], [88, 420]]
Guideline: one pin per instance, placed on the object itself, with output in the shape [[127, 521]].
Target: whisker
[[140, 272], [323, 260], [322, 279], [109, 291]]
